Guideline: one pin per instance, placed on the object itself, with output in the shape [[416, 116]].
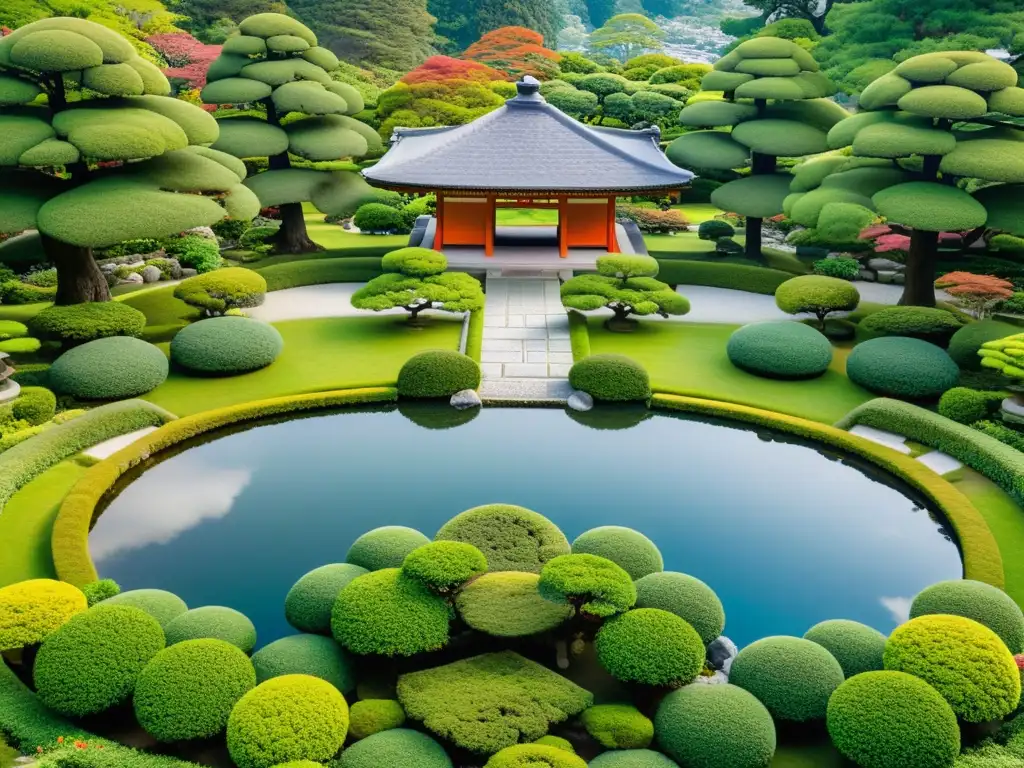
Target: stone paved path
[[938, 462]]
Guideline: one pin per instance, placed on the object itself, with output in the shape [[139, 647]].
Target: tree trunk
[[79, 279], [919, 285], [753, 245], [292, 236]]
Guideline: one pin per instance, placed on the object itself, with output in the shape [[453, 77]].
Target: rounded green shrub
[[936, 326], [213, 621], [395, 748], [188, 690], [636, 554], [384, 547], [715, 726], [100, 590], [978, 601], [509, 604], [437, 373], [791, 676], [295, 717], [966, 406], [610, 377], [313, 655], [109, 369], [857, 647], [224, 289], [650, 646], [161, 605], [632, 758], [31, 610], [226, 345], [416, 262], [444, 565], [896, 366], [687, 597], [780, 349], [842, 268], [963, 660], [892, 720], [618, 726], [712, 229], [374, 716], [389, 614], [92, 662], [307, 607], [557, 742], [965, 343], [36, 405], [512, 538], [534, 756], [377, 218], [12, 329], [593, 585], [817, 295], [78, 323]]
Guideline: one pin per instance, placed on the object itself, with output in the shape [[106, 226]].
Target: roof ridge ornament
[[527, 92]]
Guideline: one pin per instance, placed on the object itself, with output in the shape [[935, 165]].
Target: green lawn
[[22, 313], [695, 213], [319, 355], [333, 237], [527, 217], [690, 359]]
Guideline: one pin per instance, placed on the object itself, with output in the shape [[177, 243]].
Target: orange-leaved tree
[[978, 294], [440, 68], [517, 51]]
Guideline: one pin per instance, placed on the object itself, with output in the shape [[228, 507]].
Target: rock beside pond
[[464, 399], [719, 678], [150, 275], [720, 651], [134, 277], [885, 265], [580, 401]]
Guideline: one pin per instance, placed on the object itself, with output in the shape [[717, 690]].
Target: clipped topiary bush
[[780, 349], [687, 597], [374, 716], [935, 326], [295, 717], [512, 538], [32, 610], [161, 605], [380, 219], [109, 369], [816, 295], [385, 547], [444, 565], [636, 554], [217, 292], [213, 621], [712, 229], [100, 590], [610, 377], [437, 373], [188, 690], [556, 741], [978, 601], [963, 660], [902, 367], [592, 585], [632, 758], [714, 726], [78, 323], [841, 268], [226, 345], [532, 755], [618, 726], [307, 607], [396, 748], [389, 614], [966, 406], [791, 676], [965, 343], [36, 405], [650, 646], [857, 647], [91, 663], [313, 655], [509, 604], [892, 720]]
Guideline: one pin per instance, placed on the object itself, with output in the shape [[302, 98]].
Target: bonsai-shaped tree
[[795, 123], [627, 35], [594, 586], [942, 117], [107, 156], [627, 286], [415, 279], [276, 64], [818, 295]]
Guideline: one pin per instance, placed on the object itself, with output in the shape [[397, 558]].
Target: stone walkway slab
[[109, 447], [880, 436], [310, 301], [939, 462], [536, 390]]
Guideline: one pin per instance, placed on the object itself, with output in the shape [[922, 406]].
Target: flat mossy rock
[[708, 149], [507, 604], [930, 206], [757, 196], [781, 138]]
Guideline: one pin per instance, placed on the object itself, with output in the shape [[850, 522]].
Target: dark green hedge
[[636, 554], [437, 373], [936, 326], [444, 565], [593, 585], [902, 367], [395, 748], [77, 323], [780, 349], [372, 716], [512, 538], [385, 547], [213, 621], [687, 597], [739, 277], [508, 604], [975, 600], [967, 406], [307, 607], [650, 646], [611, 377], [226, 345], [162, 606], [109, 369], [618, 726], [314, 655]]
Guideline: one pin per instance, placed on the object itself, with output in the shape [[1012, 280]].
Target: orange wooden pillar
[[439, 224], [563, 227], [492, 225], [613, 246]]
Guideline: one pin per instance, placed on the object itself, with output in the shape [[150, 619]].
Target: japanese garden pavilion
[[526, 154]]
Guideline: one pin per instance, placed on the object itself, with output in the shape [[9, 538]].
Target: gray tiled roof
[[527, 145]]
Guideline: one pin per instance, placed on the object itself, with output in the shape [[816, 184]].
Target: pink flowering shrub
[[188, 58], [891, 242]]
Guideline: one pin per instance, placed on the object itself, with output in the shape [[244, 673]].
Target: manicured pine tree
[[276, 64], [943, 117], [775, 102], [93, 151]]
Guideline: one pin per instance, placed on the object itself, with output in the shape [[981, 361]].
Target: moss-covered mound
[[791, 676], [636, 554], [309, 602], [535, 756], [508, 604], [963, 660], [396, 748], [390, 614], [437, 373], [512, 538], [650, 646], [965, 343], [632, 758], [556, 741], [92, 662], [32, 610], [857, 647], [371, 716], [902, 367], [892, 720], [295, 717], [109, 369], [444, 565], [214, 621], [618, 726], [593, 585], [975, 600], [611, 377], [780, 349], [78, 323], [226, 345], [188, 690], [384, 547], [715, 726], [687, 597], [313, 655], [161, 605]]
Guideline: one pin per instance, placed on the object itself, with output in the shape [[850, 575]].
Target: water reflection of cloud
[[177, 496], [898, 607]]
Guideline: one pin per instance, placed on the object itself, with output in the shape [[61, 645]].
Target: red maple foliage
[[188, 58], [517, 51], [977, 294], [5, 31], [438, 68]]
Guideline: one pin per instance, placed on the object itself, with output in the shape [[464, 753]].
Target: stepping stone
[[939, 462], [880, 436], [113, 445]]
